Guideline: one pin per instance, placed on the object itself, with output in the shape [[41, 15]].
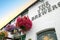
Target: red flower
[[24, 23]]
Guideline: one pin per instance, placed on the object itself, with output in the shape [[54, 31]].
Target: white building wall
[[49, 20]]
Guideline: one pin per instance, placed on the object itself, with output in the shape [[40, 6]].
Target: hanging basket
[[24, 23]]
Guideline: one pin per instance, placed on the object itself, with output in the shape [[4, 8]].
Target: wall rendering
[[46, 19]]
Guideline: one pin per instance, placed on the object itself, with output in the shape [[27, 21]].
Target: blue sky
[[7, 6]]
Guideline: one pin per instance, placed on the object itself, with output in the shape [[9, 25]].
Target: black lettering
[[36, 16], [49, 9], [54, 7], [59, 4], [33, 18], [44, 11], [43, 5], [40, 9], [39, 15], [48, 6]]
